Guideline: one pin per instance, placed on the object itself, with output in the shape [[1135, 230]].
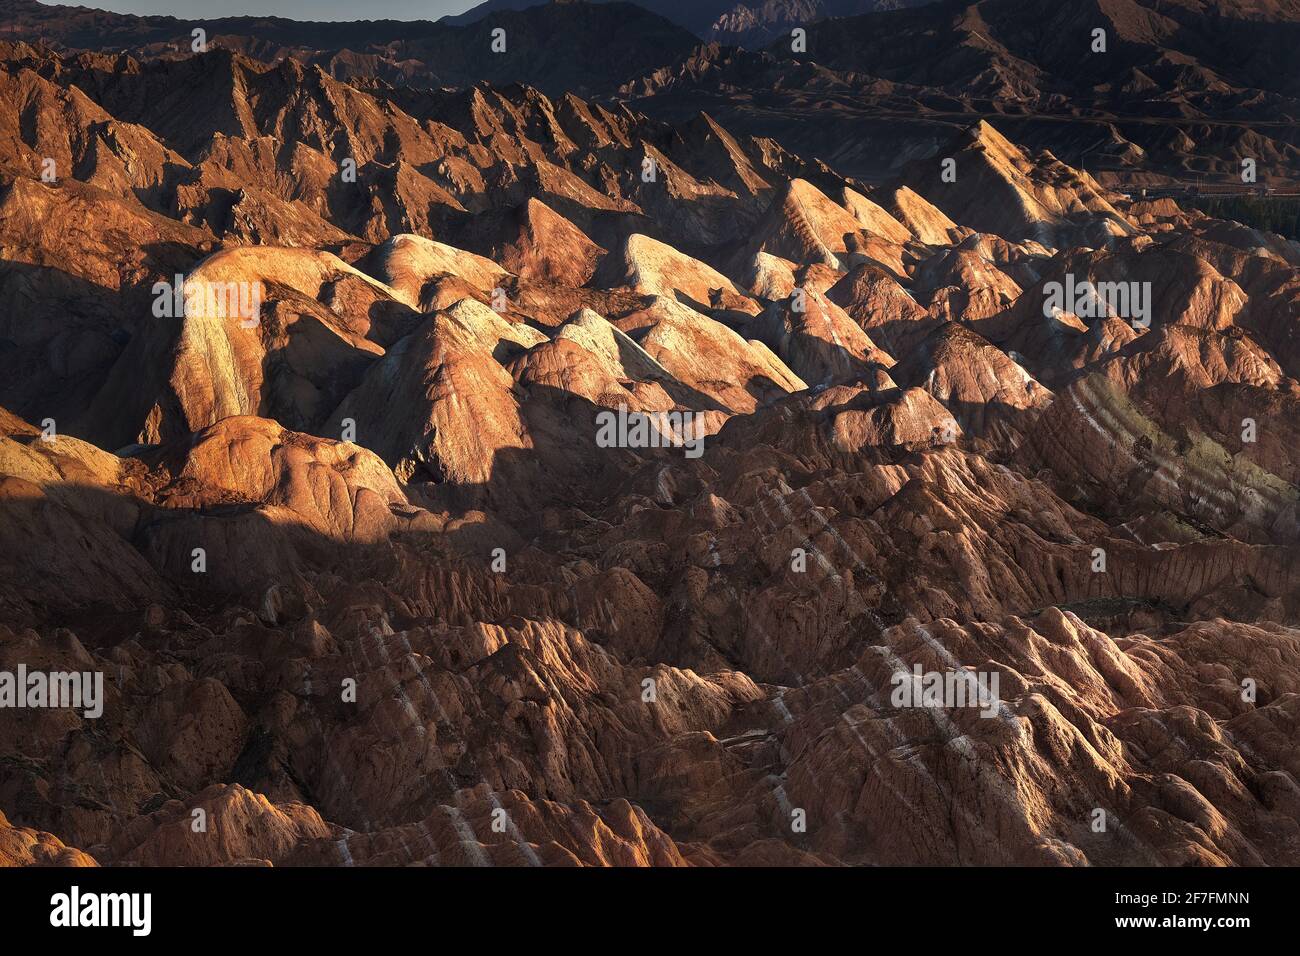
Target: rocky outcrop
[[22, 846]]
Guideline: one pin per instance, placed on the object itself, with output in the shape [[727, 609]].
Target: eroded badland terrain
[[308, 374]]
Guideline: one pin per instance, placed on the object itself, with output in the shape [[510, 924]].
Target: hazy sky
[[294, 9]]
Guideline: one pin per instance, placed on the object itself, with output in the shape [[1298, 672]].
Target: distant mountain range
[[728, 21], [576, 47], [755, 23]]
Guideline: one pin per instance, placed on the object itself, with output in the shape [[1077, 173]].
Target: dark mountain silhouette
[[743, 22], [575, 47]]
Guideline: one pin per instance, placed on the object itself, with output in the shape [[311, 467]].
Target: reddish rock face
[[538, 510]]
